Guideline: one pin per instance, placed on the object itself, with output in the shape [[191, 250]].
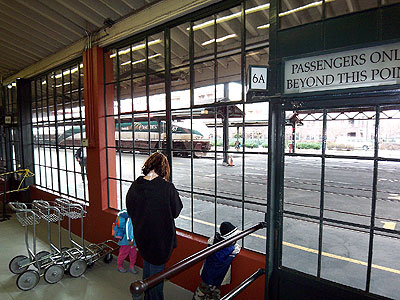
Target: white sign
[[257, 78], [7, 120], [364, 67]]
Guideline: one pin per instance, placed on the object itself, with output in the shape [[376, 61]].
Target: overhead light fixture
[[230, 17], [219, 40], [66, 72], [138, 47], [60, 85], [9, 86], [307, 6], [140, 60], [264, 26]]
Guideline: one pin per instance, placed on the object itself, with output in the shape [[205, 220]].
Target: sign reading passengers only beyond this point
[[364, 67]]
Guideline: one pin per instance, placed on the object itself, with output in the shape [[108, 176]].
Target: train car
[[181, 138]]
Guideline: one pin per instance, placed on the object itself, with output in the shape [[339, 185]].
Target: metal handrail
[[138, 287], [237, 290]]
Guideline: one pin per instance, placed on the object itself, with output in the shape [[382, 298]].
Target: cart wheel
[[53, 274], [16, 262], [108, 258], [77, 268], [28, 280], [39, 256]]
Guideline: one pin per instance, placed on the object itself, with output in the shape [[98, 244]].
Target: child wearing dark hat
[[216, 268]]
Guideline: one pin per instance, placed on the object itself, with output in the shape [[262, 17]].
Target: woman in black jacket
[[153, 203]]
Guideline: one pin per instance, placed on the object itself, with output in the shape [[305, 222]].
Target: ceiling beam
[[22, 42], [54, 16], [101, 9], [11, 61], [83, 11], [17, 57], [134, 4], [70, 15], [118, 6], [19, 51], [22, 30], [154, 15], [8, 64], [34, 19], [28, 22]]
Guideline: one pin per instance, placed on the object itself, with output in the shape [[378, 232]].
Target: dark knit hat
[[227, 229]]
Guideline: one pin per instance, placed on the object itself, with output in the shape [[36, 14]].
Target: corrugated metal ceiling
[[31, 30]]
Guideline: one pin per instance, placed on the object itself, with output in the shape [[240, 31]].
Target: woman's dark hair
[[159, 163]]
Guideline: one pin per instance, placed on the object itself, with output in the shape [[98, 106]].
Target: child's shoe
[[121, 269], [133, 270]]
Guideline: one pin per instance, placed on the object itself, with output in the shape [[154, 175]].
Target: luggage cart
[[90, 253], [27, 279], [53, 263]]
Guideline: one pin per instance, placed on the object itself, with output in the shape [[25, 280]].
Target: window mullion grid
[[215, 119], [73, 134], [374, 197], [56, 134], [133, 118], [81, 119], [106, 126], [65, 135], [322, 193], [147, 91], [191, 74], [38, 134], [242, 79], [119, 129], [44, 142], [49, 123], [167, 71]]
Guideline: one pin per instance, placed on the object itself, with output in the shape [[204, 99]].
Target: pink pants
[[124, 251]]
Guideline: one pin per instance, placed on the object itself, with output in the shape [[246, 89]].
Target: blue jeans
[[156, 292]]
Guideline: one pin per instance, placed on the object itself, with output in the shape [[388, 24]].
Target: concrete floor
[[101, 282]]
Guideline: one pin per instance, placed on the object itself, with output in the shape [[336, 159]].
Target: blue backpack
[[118, 227]]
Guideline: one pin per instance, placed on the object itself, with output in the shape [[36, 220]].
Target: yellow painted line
[[314, 251], [196, 220], [394, 197], [389, 225]]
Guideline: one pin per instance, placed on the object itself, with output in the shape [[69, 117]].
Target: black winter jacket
[[153, 205]]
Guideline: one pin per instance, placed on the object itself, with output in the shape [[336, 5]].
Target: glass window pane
[[156, 53], [300, 241], [351, 133], [345, 255], [179, 45], [295, 13], [180, 88], [203, 33], [257, 22], [139, 59], [343, 7]]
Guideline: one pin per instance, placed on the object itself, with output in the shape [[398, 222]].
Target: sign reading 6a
[[257, 78]]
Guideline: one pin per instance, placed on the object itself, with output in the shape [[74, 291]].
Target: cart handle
[[65, 202], [16, 206]]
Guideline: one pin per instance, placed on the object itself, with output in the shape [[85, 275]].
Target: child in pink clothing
[[124, 233]]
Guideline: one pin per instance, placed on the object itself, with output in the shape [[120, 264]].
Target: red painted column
[[97, 101]]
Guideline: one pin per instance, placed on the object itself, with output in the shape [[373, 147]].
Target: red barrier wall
[[97, 226]]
